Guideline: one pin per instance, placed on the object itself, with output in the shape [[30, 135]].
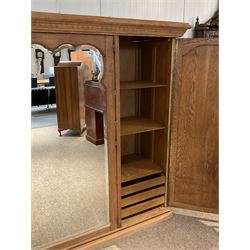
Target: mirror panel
[[70, 193]]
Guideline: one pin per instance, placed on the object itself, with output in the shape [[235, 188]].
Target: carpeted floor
[[69, 188], [181, 232], [43, 117]]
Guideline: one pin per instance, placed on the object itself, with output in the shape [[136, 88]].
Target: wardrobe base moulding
[[129, 226]]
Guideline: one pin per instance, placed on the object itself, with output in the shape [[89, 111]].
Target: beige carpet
[[69, 186], [182, 232]]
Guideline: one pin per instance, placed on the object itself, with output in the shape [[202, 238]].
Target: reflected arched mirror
[[69, 172]]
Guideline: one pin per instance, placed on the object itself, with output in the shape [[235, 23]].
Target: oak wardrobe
[[160, 117]]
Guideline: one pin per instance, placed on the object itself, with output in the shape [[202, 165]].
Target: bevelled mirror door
[[69, 172]]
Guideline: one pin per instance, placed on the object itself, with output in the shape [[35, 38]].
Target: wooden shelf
[[159, 201], [145, 195], [134, 125], [140, 186], [153, 213], [139, 85], [138, 168]]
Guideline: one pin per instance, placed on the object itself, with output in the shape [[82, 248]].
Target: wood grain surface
[[143, 196], [139, 168], [59, 23], [159, 180], [150, 62], [194, 137], [69, 80], [142, 206], [134, 125]]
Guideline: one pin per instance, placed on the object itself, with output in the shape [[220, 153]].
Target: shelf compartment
[[134, 188], [145, 195], [139, 85], [135, 125], [138, 168], [135, 209]]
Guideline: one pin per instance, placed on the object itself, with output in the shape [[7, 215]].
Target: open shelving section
[[144, 105]]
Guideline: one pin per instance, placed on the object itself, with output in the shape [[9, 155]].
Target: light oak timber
[[53, 30], [134, 125], [138, 169], [150, 104], [143, 196], [79, 24], [142, 206], [171, 82], [143, 185], [108, 82], [75, 41], [146, 215], [139, 85], [194, 164]]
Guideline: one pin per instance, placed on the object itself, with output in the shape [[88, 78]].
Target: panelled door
[[193, 166]]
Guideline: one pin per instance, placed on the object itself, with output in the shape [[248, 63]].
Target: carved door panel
[[194, 129]]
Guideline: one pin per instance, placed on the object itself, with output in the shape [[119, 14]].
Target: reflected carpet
[[69, 180]]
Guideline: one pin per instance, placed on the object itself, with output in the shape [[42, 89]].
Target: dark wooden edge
[[77, 24], [118, 126], [94, 141]]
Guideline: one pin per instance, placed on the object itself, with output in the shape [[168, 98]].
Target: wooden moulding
[[129, 226], [77, 24], [104, 235]]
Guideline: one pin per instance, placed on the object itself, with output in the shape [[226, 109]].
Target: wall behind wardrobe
[[166, 10]]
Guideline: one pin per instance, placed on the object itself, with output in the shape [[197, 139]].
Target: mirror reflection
[[69, 168]]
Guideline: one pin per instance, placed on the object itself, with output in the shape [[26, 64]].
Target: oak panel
[[143, 185], [134, 125], [143, 196], [142, 206], [79, 24], [146, 215], [139, 168], [194, 143]]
